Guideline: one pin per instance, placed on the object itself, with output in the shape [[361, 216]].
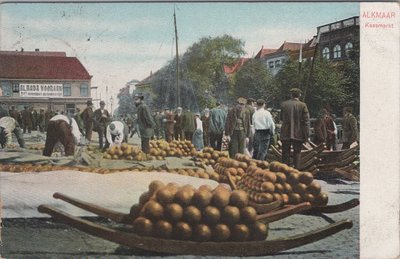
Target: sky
[[119, 42]]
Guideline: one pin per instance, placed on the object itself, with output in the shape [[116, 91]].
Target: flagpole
[[312, 66]]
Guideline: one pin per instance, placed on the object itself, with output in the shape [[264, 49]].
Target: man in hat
[[169, 125], [237, 127], [117, 132], [62, 129], [27, 119], [87, 116], [350, 128], [145, 121], [14, 113], [320, 133], [9, 125], [206, 127], [41, 120], [264, 129], [217, 126], [188, 124], [101, 119], [250, 108], [295, 128], [178, 132]]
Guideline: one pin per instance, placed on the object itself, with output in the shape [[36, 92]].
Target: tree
[[351, 70], [203, 64], [254, 80], [325, 89]]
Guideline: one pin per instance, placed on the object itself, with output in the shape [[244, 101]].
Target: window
[[277, 63], [348, 47], [5, 88], [70, 107], [325, 53], [84, 90], [336, 26], [348, 22], [67, 90], [271, 64], [15, 87], [337, 51]]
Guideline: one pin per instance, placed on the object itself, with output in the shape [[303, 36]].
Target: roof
[[16, 66], [34, 53], [236, 66], [289, 46], [263, 52]]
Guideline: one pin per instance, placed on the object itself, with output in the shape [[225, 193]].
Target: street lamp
[[111, 103]]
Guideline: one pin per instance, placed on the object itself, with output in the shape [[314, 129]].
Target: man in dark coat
[[295, 127], [88, 116], [188, 124], [250, 108], [178, 124], [14, 113], [34, 119], [101, 119], [27, 119], [217, 126], [350, 128], [331, 131], [145, 121], [206, 127], [41, 120], [320, 134], [169, 122], [237, 127]]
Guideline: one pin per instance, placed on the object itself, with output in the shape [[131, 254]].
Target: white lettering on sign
[[41, 90]]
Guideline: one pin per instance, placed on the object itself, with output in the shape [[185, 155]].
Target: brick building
[[48, 80], [338, 38]]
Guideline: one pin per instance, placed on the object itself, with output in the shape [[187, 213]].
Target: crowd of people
[[248, 126]]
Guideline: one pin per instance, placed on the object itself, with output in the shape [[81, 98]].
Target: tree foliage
[[323, 88], [254, 80]]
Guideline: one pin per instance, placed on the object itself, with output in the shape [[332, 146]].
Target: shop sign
[[41, 90]]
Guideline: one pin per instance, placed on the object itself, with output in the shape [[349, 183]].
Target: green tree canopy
[[255, 81], [324, 89]]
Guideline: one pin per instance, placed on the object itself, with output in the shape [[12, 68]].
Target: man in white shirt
[[9, 125], [64, 129], [264, 128], [117, 132]]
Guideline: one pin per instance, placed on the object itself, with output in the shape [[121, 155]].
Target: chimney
[[22, 49], [37, 50]]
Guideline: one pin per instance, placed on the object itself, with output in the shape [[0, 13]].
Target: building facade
[[43, 80], [338, 38], [274, 59]]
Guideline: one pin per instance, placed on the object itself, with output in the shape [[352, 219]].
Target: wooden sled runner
[[249, 248]]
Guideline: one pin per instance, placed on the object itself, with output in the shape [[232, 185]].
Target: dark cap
[[102, 103], [89, 102], [241, 100], [139, 95], [250, 100], [295, 91], [260, 102]]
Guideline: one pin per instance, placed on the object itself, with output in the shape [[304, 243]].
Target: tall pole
[[178, 90]]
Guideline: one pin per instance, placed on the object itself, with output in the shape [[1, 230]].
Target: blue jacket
[[217, 120]]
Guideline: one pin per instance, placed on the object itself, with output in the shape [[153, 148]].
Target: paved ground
[[32, 237], [29, 234]]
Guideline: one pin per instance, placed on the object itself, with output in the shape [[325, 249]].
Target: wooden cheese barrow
[[129, 239]]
